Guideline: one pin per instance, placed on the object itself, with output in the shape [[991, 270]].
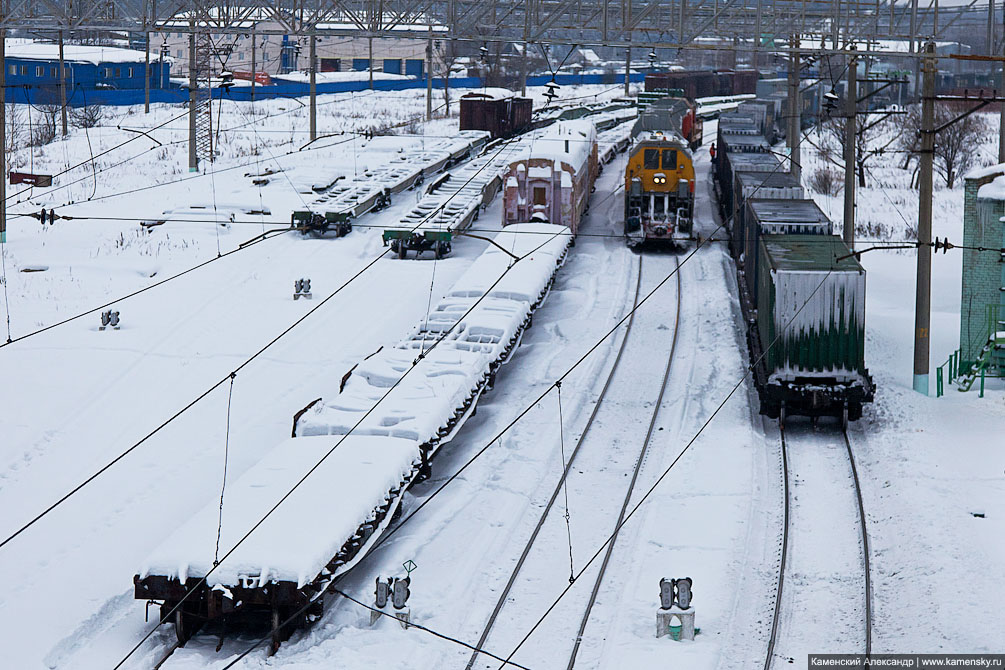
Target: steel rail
[[565, 473], [635, 477], [866, 566], [865, 546], [785, 551]]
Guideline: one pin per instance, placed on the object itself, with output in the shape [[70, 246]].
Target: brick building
[[982, 305]]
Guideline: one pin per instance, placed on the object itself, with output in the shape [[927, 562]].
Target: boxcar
[[810, 327], [500, 114]]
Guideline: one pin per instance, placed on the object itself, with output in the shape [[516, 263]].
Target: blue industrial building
[[35, 65]]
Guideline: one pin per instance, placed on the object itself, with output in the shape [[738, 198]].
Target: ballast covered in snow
[[371, 436]]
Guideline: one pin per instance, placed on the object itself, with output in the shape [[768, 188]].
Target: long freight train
[[802, 292]]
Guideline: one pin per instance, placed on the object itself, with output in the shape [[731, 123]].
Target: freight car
[[801, 292], [499, 111], [314, 506], [808, 334], [704, 84], [659, 182], [551, 181]]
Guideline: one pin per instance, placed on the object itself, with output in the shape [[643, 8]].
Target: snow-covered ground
[[74, 397]]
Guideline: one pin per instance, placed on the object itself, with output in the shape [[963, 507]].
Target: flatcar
[[551, 180], [659, 183]]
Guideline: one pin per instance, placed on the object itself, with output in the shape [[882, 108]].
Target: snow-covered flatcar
[[551, 180]]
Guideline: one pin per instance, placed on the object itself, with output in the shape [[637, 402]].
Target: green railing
[[947, 372]]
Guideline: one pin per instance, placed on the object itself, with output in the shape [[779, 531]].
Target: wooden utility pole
[[795, 107], [193, 84], [314, 89], [62, 84], [851, 110], [923, 302]]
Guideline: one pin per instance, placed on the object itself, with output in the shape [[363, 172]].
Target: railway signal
[[400, 592], [109, 319], [302, 289], [683, 592], [675, 603], [382, 592]]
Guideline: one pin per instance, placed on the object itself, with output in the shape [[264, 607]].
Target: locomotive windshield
[[669, 159], [651, 159]]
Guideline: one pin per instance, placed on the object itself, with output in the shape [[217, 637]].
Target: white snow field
[[75, 397]]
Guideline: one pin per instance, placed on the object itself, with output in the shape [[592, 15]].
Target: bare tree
[[956, 144], [15, 135], [87, 116], [869, 133]]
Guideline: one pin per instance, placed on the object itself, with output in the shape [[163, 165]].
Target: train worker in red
[[711, 151]]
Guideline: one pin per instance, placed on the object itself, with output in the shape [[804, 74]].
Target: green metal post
[[982, 383], [938, 382]]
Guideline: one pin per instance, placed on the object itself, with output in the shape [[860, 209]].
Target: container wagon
[[807, 335]]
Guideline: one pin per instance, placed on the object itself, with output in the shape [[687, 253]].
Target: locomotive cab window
[[669, 159], [651, 159]]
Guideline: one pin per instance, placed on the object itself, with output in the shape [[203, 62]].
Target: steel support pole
[[370, 44], [851, 108], [314, 88], [794, 126], [923, 302], [429, 75], [193, 84], [62, 85]]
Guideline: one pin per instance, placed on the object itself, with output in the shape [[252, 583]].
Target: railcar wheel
[[402, 249], [781, 414], [438, 250], [276, 635], [182, 626], [844, 417]]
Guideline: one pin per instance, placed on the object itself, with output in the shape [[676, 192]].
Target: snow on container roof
[[298, 539], [809, 253], [766, 179], [772, 210], [755, 162], [76, 53]]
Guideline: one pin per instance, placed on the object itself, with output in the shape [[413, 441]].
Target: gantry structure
[[761, 25]]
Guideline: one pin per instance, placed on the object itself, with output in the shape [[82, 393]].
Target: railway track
[[586, 449], [821, 617]]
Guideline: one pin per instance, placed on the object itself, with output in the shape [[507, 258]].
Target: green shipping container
[[811, 310]]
